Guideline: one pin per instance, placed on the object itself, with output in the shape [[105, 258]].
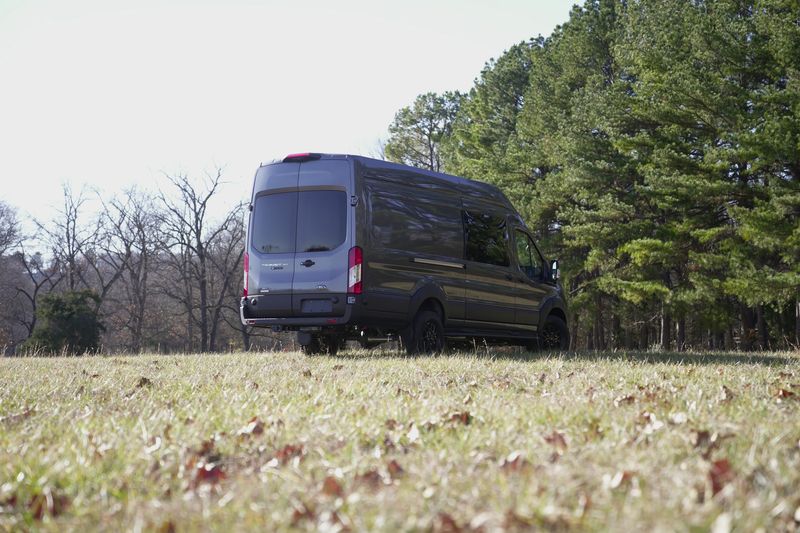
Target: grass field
[[376, 441]]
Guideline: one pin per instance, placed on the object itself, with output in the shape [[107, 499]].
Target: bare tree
[[130, 248], [9, 228], [189, 240]]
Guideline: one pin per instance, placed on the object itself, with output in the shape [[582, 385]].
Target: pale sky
[[109, 94]]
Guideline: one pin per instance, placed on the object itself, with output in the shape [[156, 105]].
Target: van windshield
[[308, 221]]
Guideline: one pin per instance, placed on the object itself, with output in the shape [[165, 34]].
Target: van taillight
[[246, 272], [354, 260]]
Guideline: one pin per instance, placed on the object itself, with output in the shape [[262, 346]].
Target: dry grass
[[621, 441]]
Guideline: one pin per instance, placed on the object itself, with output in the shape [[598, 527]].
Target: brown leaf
[[338, 367], [168, 526], [395, 470], [332, 487], [289, 452], [302, 512], [557, 440], [627, 400], [371, 478], [391, 424], [207, 473], [47, 503], [720, 475], [445, 523], [783, 394], [143, 382], [514, 462], [463, 417], [253, 427], [306, 373], [253, 385], [726, 394], [18, 417]]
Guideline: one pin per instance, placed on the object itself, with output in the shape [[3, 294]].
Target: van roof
[[488, 189]]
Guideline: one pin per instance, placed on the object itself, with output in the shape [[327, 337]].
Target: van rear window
[[308, 221]]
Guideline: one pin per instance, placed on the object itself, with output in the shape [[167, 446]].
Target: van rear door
[[324, 237], [272, 235]]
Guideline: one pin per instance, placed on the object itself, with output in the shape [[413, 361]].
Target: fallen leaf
[[463, 417], [557, 440], [207, 473], [619, 479], [288, 452], [302, 512], [168, 526], [725, 394], [445, 523], [514, 462], [783, 394], [332, 487], [18, 417], [371, 478], [391, 424], [395, 470], [143, 382], [47, 503], [720, 475], [338, 367], [627, 399], [307, 373], [253, 385], [253, 427]]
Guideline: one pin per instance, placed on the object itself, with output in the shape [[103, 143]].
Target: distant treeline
[[147, 272], [654, 146]]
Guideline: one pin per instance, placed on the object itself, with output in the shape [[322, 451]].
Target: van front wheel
[[554, 334], [427, 334]]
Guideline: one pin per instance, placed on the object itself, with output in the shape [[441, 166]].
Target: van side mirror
[[554, 274]]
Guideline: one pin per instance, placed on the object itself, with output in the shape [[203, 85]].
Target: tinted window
[[485, 238], [321, 221], [308, 221], [402, 219], [528, 257], [274, 222]]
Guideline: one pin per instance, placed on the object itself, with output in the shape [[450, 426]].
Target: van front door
[[530, 278]]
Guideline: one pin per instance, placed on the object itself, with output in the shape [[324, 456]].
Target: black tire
[[426, 335], [554, 334]]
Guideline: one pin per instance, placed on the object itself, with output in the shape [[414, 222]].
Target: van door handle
[[307, 263]]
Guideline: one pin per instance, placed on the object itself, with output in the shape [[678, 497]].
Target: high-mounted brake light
[[301, 158], [354, 259], [246, 272]]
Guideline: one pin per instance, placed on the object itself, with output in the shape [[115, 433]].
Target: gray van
[[343, 247]]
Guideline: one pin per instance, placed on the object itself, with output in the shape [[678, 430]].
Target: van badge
[[274, 266], [321, 286]]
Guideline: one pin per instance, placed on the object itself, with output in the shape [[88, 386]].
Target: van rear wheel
[[426, 334]]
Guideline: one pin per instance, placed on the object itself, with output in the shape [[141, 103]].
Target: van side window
[[527, 256], [485, 237]]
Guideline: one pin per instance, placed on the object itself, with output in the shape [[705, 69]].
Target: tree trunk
[[590, 339], [748, 328], [761, 327], [616, 331], [576, 318], [644, 336], [797, 323], [666, 327], [599, 329], [680, 334]]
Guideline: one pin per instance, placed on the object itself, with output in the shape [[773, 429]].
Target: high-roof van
[[343, 247]]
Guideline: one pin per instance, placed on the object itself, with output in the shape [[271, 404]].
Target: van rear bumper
[[253, 312]]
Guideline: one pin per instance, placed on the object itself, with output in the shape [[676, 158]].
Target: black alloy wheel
[[427, 334], [554, 334]]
